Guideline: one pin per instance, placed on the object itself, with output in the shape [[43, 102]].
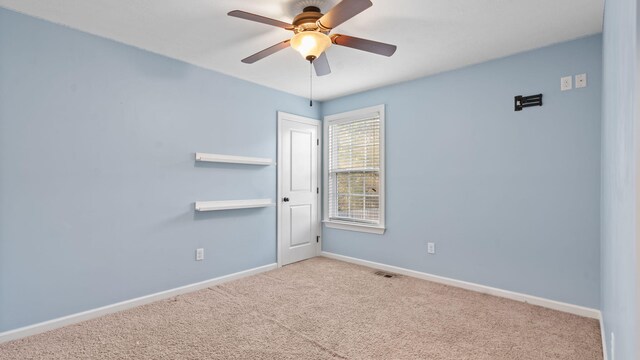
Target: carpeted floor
[[323, 309]]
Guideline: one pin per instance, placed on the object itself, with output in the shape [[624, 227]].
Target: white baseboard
[[551, 304], [101, 311], [605, 354]]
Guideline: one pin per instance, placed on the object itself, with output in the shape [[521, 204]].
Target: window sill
[[343, 225]]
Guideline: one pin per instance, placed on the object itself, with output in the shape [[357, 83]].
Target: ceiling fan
[[311, 37]]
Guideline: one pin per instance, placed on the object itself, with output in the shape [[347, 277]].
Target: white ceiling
[[432, 35]]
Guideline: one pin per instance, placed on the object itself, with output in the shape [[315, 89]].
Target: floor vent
[[386, 274]]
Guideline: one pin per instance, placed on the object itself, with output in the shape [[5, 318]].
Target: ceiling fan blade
[[266, 52], [261, 19], [343, 11], [321, 65], [364, 44]]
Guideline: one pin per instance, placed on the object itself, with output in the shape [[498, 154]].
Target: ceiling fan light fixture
[[310, 44]]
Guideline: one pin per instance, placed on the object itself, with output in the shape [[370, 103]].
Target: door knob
[[286, 199]]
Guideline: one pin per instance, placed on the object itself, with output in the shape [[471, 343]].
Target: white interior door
[[298, 188]]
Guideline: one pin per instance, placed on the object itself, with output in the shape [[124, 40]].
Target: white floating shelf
[[232, 159], [232, 204]]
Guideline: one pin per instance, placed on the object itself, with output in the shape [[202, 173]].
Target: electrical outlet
[[566, 83], [581, 81], [431, 248], [199, 254]]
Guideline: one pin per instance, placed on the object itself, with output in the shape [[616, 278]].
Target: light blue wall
[[97, 177], [619, 179], [511, 199]]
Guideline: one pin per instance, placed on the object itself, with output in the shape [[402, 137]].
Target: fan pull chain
[[310, 83]]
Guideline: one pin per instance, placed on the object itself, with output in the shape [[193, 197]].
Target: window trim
[[345, 117]]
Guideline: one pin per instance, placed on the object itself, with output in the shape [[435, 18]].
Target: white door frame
[[303, 120], [636, 106]]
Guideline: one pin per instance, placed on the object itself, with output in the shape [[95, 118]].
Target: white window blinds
[[354, 170]]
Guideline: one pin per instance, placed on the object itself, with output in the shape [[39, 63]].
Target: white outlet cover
[[199, 254], [566, 83], [581, 81], [431, 248]]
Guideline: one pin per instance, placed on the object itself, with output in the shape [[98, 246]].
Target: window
[[354, 170]]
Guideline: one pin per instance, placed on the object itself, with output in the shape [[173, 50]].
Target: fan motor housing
[[307, 19]]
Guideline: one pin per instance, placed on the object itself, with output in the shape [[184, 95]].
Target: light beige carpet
[[323, 309]]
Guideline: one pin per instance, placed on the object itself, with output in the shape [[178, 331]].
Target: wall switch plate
[[199, 254], [581, 81], [431, 248], [566, 83]]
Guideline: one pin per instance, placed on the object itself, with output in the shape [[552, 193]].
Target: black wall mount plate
[[521, 102]]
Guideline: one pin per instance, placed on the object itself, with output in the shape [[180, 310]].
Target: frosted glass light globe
[[310, 44]]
